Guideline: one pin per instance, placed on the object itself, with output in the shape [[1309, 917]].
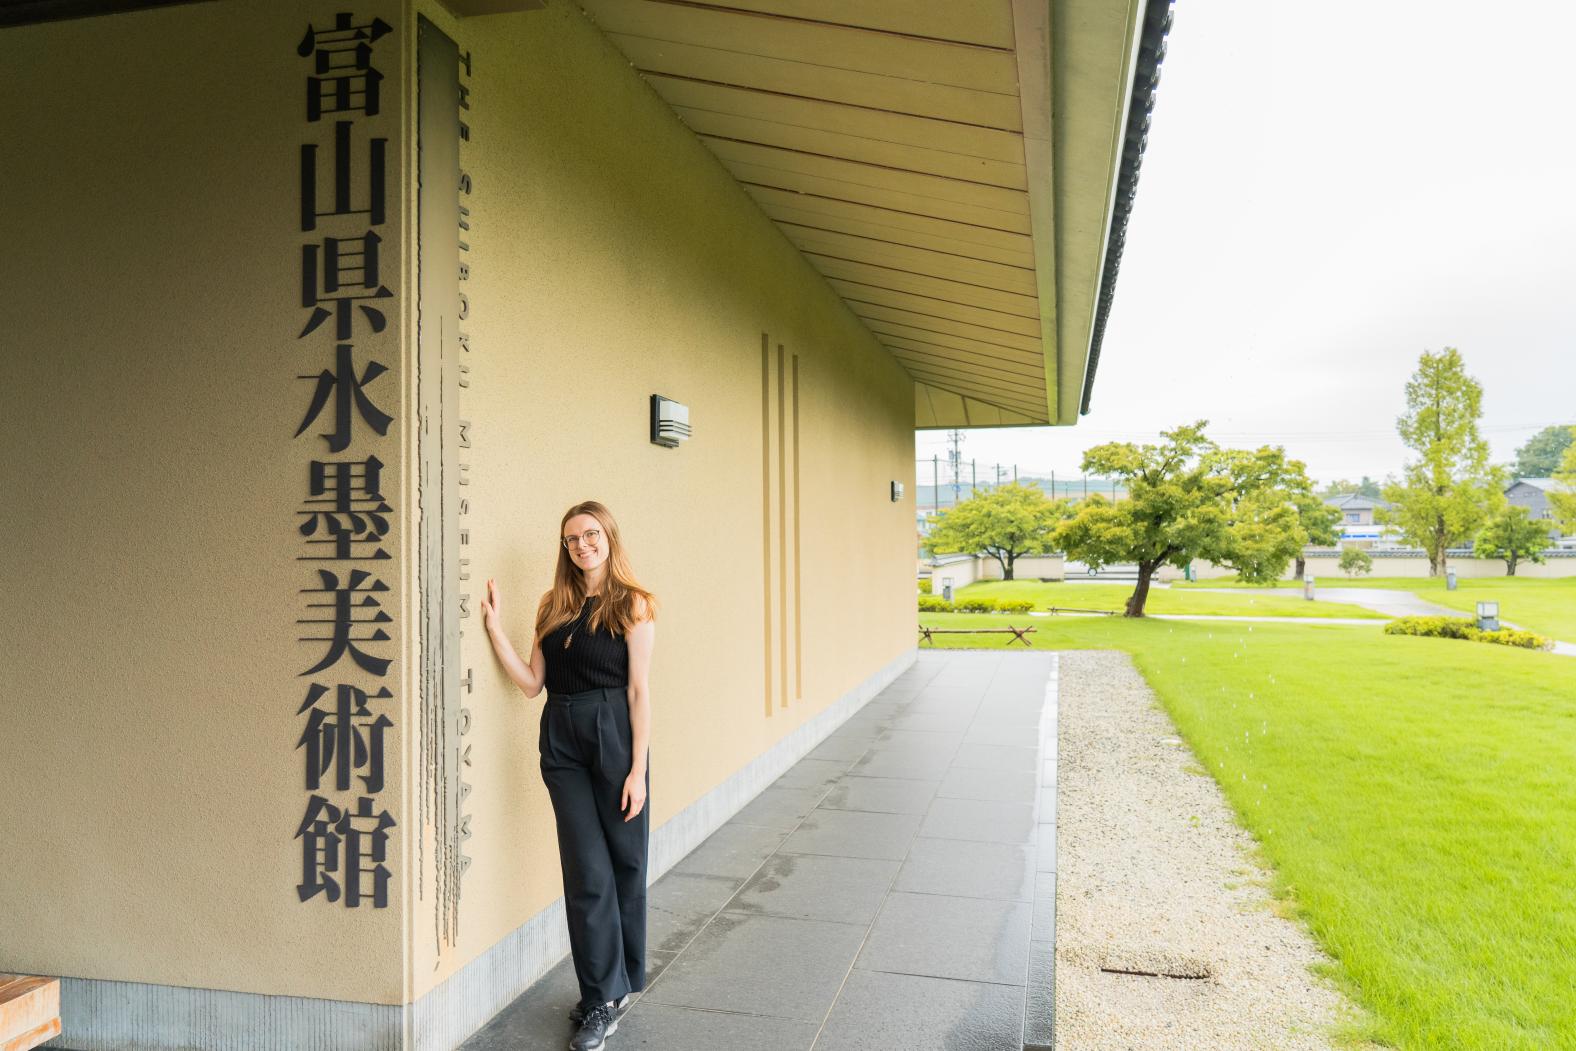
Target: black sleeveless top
[[593, 658]]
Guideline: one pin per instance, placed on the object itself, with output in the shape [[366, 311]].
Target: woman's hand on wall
[[491, 619], [530, 677]]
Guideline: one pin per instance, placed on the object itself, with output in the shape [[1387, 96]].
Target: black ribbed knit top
[[592, 659]]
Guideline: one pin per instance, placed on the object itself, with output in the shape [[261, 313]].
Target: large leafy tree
[[1006, 523], [1448, 492], [1187, 499], [1320, 521], [1540, 457], [1513, 535], [1563, 499]]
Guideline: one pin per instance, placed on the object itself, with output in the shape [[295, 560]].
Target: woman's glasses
[[590, 536]]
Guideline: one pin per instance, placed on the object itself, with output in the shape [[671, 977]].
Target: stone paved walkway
[[1392, 603], [883, 893]]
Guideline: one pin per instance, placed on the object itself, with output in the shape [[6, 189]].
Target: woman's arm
[[529, 677], [641, 638]]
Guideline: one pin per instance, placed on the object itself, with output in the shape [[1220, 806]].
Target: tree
[[1563, 499], [1187, 499], [1448, 492], [1354, 561], [1006, 523], [1320, 521], [1512, 534], [1540, 457], [1341, 487]]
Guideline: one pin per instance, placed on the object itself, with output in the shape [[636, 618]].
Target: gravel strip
[[1154, 875]]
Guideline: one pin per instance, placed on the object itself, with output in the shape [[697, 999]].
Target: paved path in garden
[[1390, 602], [895, 888], [1371, 621]]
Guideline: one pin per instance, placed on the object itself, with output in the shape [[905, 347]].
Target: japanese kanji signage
[[347, 607]]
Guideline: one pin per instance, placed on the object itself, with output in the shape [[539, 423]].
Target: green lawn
[[1161, 600], [1547, 606], [1414, 797]]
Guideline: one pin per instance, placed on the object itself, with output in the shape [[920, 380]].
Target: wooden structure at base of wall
[[29, 1011]]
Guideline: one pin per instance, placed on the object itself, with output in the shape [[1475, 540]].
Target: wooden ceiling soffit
[[859, 294], [943, 330], [938, 408], [1003, 394], [987, 242], [907, 148], [942, 265]]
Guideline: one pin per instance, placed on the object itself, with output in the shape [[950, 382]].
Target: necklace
[[587, 605]]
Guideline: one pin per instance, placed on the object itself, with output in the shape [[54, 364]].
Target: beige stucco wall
[[151, 272], [613, 258], [152, 269]]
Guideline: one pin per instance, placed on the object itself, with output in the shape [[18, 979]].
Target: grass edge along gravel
[[1410, 796]]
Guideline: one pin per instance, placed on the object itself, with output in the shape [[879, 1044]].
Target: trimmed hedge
[[1462, 628], [936, 604], [924, 586]]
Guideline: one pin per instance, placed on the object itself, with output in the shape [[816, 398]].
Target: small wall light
[[669, 422], [1488, 616], [897, 491]]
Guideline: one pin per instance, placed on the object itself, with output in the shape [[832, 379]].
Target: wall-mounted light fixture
[[669, 422], [897, 491]]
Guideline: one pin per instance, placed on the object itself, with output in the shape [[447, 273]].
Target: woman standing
[[594, 635]]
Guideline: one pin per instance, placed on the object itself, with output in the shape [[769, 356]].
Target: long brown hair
[[619, 588]]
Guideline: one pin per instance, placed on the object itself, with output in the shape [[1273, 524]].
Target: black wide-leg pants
[[587, 746]]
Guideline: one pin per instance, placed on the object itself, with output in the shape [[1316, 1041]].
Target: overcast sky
[[1329, 190]]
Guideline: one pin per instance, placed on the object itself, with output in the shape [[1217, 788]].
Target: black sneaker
[[595, 1027], [576, 1013]]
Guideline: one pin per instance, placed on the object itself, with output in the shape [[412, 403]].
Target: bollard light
[[1450, 579], [1307, 587], [1488, 616]]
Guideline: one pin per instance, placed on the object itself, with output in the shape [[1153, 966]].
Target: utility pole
[[974, 478], [935, 484], [956, 438]]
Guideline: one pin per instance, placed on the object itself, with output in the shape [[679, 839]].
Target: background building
[[1358, 526], [1533, 494]]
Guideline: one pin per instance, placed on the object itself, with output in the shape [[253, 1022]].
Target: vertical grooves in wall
[[782, 522], [766, 513], [798, 606]]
